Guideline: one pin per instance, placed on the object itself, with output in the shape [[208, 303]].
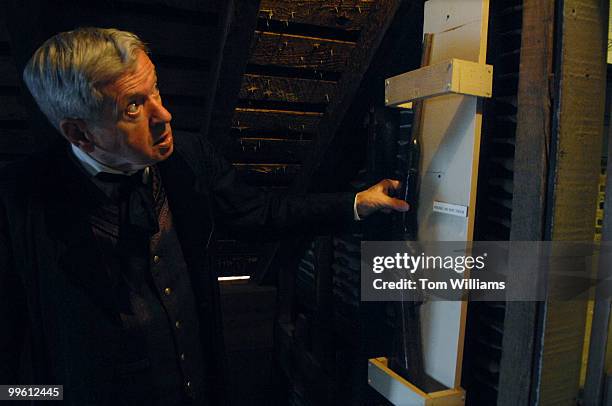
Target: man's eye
[[132, 108]]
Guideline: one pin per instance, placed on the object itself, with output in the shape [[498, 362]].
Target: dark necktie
[[136, 206]]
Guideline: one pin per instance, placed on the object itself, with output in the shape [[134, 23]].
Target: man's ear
[[76, 132]]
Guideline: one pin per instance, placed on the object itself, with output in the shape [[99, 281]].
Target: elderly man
[[104, 281]]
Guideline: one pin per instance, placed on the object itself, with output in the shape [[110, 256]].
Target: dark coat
[[60, 324]]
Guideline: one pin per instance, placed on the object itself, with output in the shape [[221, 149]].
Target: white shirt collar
[[94, 167]]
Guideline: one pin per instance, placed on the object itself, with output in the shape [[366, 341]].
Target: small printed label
[[452, 209]]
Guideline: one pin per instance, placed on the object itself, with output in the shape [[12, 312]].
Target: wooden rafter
[[233, 65]]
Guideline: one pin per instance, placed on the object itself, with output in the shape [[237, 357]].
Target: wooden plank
[[8, 72], [268, 150], [267, 174], [262, 87], [577, 153], [336, 14], [245, 118], [297, 51]]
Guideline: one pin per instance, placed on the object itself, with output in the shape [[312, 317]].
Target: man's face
[[134, 131]]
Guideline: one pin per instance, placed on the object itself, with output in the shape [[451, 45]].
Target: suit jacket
[[60, 324]]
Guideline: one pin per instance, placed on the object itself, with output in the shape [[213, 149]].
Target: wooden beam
[[351, 16], [297, 51], [234, 61], [556, 169], [262, 87], [574, 178], [519, 356], [227, 16]]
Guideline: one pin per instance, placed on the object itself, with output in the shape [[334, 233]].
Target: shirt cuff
[[355, 214]]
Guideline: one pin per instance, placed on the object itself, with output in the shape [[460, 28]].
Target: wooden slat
[[236, 133], [275, 120], [330, 13], [8, 72], [257, 87], [267, 174], [164, 38], [269, 150], [300, 52]]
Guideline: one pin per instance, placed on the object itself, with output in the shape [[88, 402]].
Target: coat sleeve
[[246, 207], [12, 308]]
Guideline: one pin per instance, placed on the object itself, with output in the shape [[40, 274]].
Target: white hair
[[66, 73]]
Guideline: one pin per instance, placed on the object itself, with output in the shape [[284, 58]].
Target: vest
[[161, 360]]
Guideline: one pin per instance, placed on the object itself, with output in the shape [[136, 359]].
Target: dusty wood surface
[[577, 151], [275, 120], [261, 87], [350, 15], [360, 59], [300, 52], [271, 174], [251, 150]]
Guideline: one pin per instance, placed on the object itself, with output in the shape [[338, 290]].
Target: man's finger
[[390, 184], [395, 184], [397, 204]]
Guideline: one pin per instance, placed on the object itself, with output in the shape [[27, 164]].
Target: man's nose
[[159, 114]]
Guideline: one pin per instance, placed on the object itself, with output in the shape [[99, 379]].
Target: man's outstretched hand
[[377, 198]]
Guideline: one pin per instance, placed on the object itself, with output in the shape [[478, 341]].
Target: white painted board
[[449, 160]]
